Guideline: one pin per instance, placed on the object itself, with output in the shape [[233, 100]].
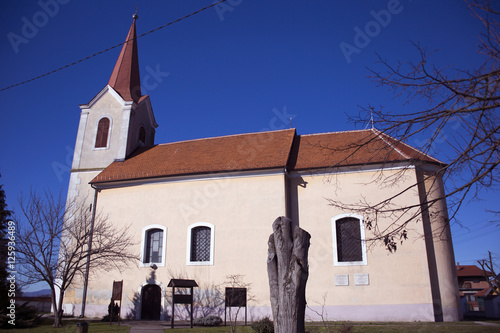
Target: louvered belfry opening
[[348, 240]]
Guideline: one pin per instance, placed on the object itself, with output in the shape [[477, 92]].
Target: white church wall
[[391, 286], [395, 284], [241, 209]]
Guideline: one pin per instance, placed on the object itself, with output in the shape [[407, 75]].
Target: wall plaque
[[341, 279], [361, 279]]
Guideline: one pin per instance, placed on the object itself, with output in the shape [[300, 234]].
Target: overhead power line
[[112, 47]]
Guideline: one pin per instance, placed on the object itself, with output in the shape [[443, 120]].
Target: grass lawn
[[457, 327], [221, 329], [460, 327], [70, 326]]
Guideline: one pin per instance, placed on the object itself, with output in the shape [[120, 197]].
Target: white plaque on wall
[[341, 279], [361, 279]]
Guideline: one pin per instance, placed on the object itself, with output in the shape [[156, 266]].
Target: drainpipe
[[89, 248], [288, 213]]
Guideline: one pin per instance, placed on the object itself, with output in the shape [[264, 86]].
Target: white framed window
[[200, 244], [153, 245], [349, 242]]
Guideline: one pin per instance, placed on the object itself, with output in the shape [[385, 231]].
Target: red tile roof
[[263, 150], [469, 271], [125, 78], [352, 148]]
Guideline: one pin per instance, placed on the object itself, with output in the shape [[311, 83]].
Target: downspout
[[287, 194], [89, 249]]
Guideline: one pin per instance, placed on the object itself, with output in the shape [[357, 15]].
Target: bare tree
[[236, 281], [52, 244], [462, 119], [490, 275]]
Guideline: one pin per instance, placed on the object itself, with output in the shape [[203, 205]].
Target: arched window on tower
[[142, 135], [101, 140]]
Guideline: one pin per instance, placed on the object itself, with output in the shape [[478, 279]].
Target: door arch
[[151, 302]]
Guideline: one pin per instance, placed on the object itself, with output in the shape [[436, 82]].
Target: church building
[[203, 209]]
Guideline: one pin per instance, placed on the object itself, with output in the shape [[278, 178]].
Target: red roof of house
[[125, 78], [469, 271], [262, 150]]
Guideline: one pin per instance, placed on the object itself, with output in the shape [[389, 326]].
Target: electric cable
[[112, 47]]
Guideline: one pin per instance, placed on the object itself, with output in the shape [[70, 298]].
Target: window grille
[[154, 246], [200, 244], [349, 240]]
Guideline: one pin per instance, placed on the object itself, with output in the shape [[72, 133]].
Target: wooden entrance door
[[151, 302]]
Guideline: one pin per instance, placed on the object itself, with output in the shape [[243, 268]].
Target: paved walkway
[[140, 326], [485, 323], [152, 326]]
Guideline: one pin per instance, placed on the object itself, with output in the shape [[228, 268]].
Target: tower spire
[[125, 78]]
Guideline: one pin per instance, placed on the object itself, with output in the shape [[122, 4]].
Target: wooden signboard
[[116, 296]]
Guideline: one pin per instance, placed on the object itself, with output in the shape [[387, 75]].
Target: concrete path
[[485, 323], [140, 326]]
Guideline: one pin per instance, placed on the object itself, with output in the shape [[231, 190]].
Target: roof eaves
[[410, 147], [135, 177]]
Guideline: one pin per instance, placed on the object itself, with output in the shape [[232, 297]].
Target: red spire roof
[[125, 78]]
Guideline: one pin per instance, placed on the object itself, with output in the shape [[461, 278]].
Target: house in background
[[203, 209], [477, 297]]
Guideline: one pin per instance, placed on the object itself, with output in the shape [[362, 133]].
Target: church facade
[[203, 209]]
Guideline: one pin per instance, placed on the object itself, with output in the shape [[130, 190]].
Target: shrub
[[265, 325], [208, 321], [346, 328], [26, 317], [115, 309]]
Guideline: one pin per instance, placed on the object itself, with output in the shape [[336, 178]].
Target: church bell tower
[[117, 121]]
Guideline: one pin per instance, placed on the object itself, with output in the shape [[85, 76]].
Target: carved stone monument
[[287, 268]]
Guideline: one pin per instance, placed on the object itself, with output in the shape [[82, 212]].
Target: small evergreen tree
[[5, 214]]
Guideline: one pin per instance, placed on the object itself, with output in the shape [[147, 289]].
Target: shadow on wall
[[208, 300], [135, 311]]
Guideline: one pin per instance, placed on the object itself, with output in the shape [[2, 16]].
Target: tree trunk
[[287, 268], [56, 306]]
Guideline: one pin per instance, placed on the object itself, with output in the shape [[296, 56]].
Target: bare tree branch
[[461, 120], [53, 244]]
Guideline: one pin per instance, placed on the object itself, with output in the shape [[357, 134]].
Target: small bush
[[208, 321], [113, 311], [346, 328], [265, 325], [26, 316]]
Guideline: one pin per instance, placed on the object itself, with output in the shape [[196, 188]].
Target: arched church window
[[101, 140], [142, 135], [349, 240], [154, 246], [200, 244]]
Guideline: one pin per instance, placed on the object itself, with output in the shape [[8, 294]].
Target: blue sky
[[224, 71]]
